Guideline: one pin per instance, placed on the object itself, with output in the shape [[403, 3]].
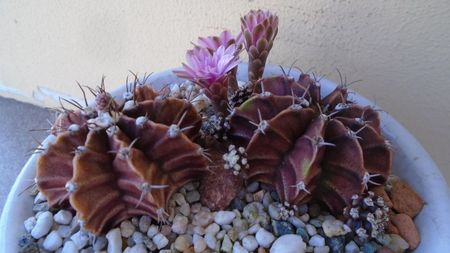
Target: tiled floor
[[16, 139]]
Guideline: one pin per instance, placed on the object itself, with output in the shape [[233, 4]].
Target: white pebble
[[144, 223], [183, 242], [254, 229], [64, 231], [160, 241], [80, 239], [30, 223], [351, 247], [138, 248], [43, 225], [193, 196], [249, 242], [311, 229], [212, 228], [114, 241], [323, 249], [224, 217], [288, 244], [39, 198], [179, 224], [264, 238], [152, 231], [53, 241], [127, 228], [179, 199], [63, 217], [227, 245], [138, 237], [296, 222], [237, 248], [211, 241], [200, 245], [185, 209], [333, 228], [317, 241], [69, 247]]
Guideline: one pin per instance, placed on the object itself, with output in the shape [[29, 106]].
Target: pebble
[[323, 249], [351, 247], [303, 233], [253, 187], [202, 218], [152, 231], [180, 224], [317, 241], [316, 223], [160, 241], [397, 244], [249, 242], [114, 241], [80, 239], [264, 238], [267, 200], [179, 199], [288, 244], [39, 198], [254, 213], [183, 242], [227, 246], [193, 196], [237, 248], [127, 228], [311, 229], [254, 229], [212, 228], [63, 217], [305, 217], [64, 231], [336, 243], [138, 237], [185, 209], [407, 229], [368, 247], [282, 228], [274, 211], [333, 228], [240, 224], [99, 243], [296, 222], [385, 250], [200, 245], [144, 223], [53, 241], [43, 225], [210, 240], [69, 247], [138, 248], [30, 223], [166, 230], [224, 217]]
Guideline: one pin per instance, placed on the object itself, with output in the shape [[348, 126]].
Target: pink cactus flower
[[226, 39]]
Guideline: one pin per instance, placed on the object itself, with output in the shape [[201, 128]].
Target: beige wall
[[401, 49]]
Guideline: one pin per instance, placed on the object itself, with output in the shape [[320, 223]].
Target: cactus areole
[[122, 158]]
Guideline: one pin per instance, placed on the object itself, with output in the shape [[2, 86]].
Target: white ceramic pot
[[412, 163]]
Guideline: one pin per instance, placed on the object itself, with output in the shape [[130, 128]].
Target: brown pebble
[[405, 199], [379, 191], [385, 250], [189, 250], [407, 229], [262, 250], [391, 228]]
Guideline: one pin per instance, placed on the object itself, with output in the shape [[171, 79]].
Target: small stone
[[197, 230], [258, 196], [200, 245], [282, 228], [254, 213], [262, 250], [240, 225], [138, 237], [53, 241], [212, 228], [80, 239], [385, 250], [303, 233], [43, 225], [323, 249], [144, 223], [274, 211], [237, 248], [152, 231], [316, 223], [333, 228], [160, 241], [264, 238], [305, 217], [267, 200], [195, 208], [203, 218], [224, 217], [233, 234], [254, 229], [311, 229], [138, 248], [237, 204], [317, 241], [193, 196], [179, 224], [253, 187], [221, 234], [407, 229], [183, 242], [41, 207], [369, 247], [127, 228], [296, 222], [351, 247], [336, 244], [210, 240], [179, 198], [405, 199], [249, 242], [99, 243], [166, 230], [69, 247], [29, 224], [64, 231], [39, 198], [227, 246], [379, 191], [63, 217], [185, 209], [397, 244], [114, 241], [288, 244]]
